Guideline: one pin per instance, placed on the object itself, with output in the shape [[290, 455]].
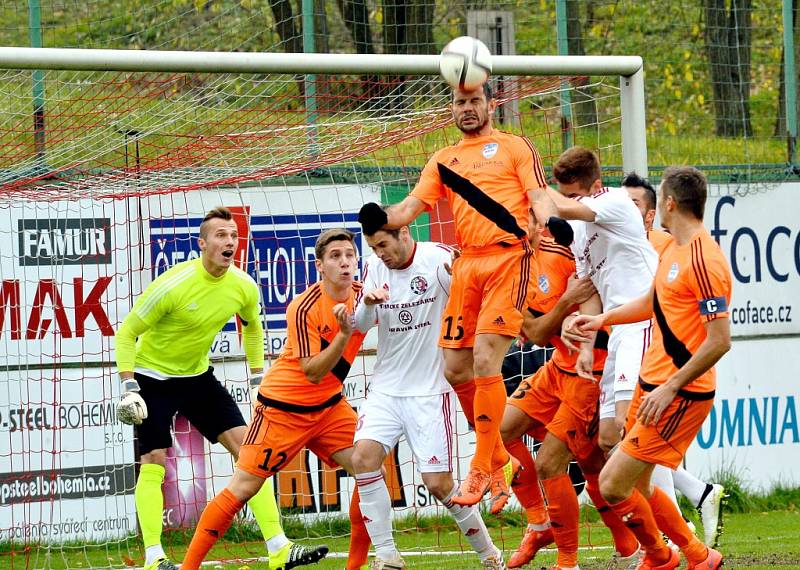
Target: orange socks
[[637, 515], [359, 537], [562, 504], [671, 521], [526, 487], [466, 397], [214, 522], [624, 540], [489, 404]]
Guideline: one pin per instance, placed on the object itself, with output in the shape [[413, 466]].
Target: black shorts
[[202, 399]]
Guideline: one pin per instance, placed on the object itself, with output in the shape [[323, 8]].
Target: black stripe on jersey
[[557, 249], [342, 367], [481, 202], [537, 161], [701, 274], [700, 271], [525, 268], [674, 348], [314, 294], [685, 394], [255, 427], [674, 420]]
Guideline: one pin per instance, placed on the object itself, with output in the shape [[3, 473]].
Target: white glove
[[131, 408]]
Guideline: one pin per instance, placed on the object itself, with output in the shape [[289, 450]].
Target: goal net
[[104, 179]]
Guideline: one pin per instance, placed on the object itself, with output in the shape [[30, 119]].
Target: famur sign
[[70, 241]]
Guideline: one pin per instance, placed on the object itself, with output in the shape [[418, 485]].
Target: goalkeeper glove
[[372, 218], [560, 230], [131, 409]]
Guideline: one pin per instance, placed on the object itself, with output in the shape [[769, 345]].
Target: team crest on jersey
[[544, 284], [419, 285], [673, 272], [489, 150]]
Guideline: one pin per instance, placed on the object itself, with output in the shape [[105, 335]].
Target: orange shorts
[[566, 405], [666, 442], [488, 294], [274, 437]]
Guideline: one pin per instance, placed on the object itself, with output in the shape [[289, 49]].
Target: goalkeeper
[[167, 371]]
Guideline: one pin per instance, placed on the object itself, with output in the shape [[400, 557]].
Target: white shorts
[[426, 421], [626, 347]]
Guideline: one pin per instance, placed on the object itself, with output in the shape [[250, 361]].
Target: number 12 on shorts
[[280, 460]]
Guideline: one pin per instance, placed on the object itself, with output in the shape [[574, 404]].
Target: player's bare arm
[[454, 254], [546, 212], [573, 336], [716, 344], [640, 309], [585, 364], [316, 367], [375, 297], [542, 204], [570, 209], [404, 213], [373, 217], [539, 329], [365, 316]]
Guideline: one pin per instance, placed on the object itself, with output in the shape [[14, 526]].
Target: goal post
[[104, 182]]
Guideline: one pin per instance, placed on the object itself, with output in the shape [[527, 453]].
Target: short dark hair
[[487, 91], [633, 180], [688, 187], [219, 213], [394, 233], [577, 164], [334, 234]]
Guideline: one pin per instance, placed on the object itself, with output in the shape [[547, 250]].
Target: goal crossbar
[[301, 63], [628, 68]]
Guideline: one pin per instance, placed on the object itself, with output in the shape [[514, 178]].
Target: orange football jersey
[[486, 180]]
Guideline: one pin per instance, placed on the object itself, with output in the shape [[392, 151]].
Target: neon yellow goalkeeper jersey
[[178, 316]]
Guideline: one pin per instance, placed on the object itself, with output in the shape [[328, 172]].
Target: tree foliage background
[[714, 73]]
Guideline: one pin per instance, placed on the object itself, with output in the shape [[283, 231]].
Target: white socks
[[376, 507], [153, 553], [690, 486], [469, 520], [277, 542], [662, 478]]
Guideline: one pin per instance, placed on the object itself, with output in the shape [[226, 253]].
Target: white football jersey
[[614, 249], [410, 361]]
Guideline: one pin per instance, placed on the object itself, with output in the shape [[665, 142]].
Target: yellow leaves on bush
[[672, 128]]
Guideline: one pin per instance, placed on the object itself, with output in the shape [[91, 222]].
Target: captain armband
[[713, 306]]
